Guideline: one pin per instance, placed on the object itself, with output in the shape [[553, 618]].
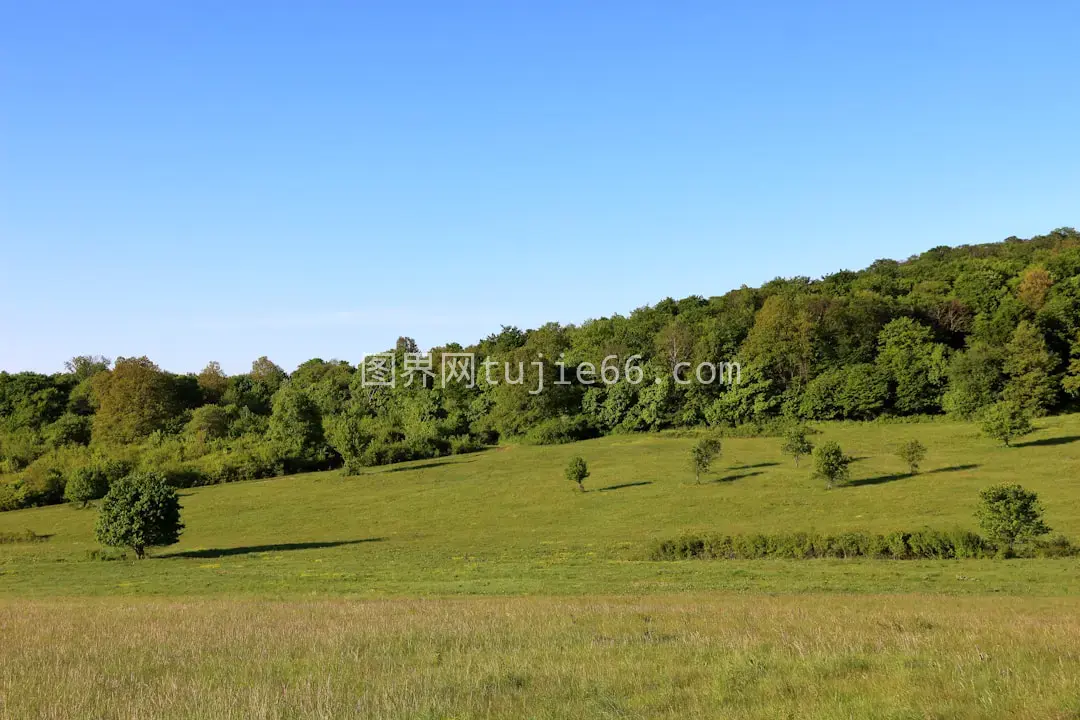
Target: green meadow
[[486, 585], [505, 521]]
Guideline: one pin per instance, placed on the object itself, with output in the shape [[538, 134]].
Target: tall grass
[[660, 657]]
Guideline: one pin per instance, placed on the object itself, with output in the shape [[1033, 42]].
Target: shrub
[[42, 484], [831, 464], [1009, 514], [11, 496], [240, 463], [560, 430], [69, 429], [896, 545], [576, 471], [912, 453], [86, 484], [702, 455], [850, 544], [209, 422], [930, 544], [966, 544], [796, 444], [20, 447], [1056, 546], [1006, 421], [182, 475], [462, 444], [139, 511]]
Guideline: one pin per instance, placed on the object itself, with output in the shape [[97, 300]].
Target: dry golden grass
[[689, 656]]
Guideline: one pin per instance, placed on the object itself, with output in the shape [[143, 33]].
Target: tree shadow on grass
[[951, 468], [755, 465], [212, 553], [878, 480], [1049, 442], [624, 485], [900, 476], [735, 476], [420, 466]]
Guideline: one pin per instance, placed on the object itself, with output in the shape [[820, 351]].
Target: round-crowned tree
[[576, 471], [1009, 514], [831, 464], [86, 484], [139, 511], [1005, 421]]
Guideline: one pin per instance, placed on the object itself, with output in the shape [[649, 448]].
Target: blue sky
[[201, 181]]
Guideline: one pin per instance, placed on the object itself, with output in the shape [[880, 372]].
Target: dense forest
[[952, 330]]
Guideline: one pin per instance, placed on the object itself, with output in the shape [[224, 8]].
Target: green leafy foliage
[[133, 400], [296, 428], [576, 472], [1009, 514], [702, 455], [1029, 366], [796, 444], [912, 453], [831, 464], [209, 422], [925, 544], [86, 484], [1005, 421], [140, 511], [954, 329], [917, 545]]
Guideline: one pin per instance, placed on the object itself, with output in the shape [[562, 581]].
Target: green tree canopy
[[139, 511]]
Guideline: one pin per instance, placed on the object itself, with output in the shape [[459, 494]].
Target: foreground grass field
[[658, 657], [304, 597]]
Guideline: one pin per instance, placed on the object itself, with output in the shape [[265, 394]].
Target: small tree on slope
[[576, 471], [139, 511]]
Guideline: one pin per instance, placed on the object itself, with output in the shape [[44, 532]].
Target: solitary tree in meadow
[[1005, 421], [1009, 514], [139, 511], [703, 454], [912, 453], [796, 444], [576, 471], [831, 464], [86, 484]]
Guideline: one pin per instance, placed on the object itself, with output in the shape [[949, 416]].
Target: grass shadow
[[735, 476], [1049, 442], [755, 465], [624, 485], [212, 553]]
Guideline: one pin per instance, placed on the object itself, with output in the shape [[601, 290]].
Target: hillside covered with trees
[[953, 330]]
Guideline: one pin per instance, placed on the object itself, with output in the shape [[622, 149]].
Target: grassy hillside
[[505, 521]]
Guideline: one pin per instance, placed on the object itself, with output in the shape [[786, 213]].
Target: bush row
[[80, 474], [917, 545]]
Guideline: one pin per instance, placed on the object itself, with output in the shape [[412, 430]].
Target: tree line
[[953, 330]]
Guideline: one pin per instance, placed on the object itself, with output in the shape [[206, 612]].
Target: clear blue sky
[[223, 180]]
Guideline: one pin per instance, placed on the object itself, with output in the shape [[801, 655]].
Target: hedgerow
[[924, 544]]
